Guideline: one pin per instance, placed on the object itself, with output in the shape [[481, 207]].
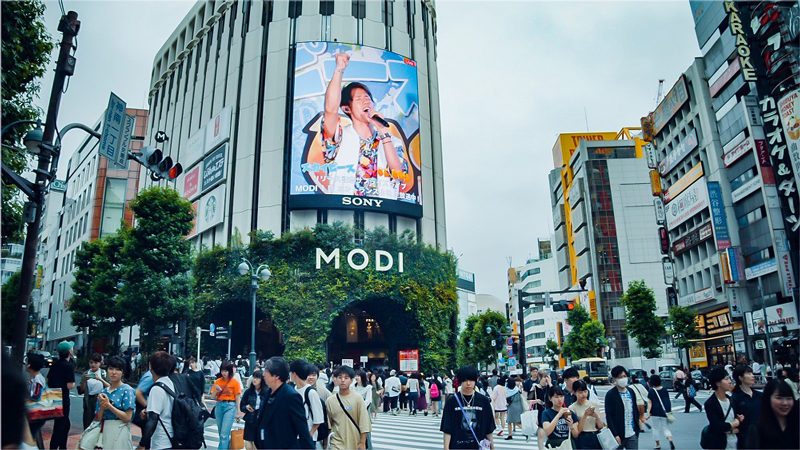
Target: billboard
[[567, 143], [690, 202], [343, 154], [671, 104]]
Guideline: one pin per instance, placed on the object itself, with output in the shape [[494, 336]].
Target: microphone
[[379, 119]]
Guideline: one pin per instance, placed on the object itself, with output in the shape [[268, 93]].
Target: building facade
[[467, 305], [94, 205], [605, 228], [239, 89]]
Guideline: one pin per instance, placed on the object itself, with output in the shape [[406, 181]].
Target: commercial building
[[467, 304], [753, 202], [239, 89], [11, 261], [605, 228], [94, 205]]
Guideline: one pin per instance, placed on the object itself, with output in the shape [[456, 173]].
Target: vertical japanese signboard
[[113, 138], [718, 215]]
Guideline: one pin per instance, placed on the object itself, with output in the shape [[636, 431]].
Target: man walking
[[281, 421], [315, 416], [622, 415], [392, 387], [680, 377], [467, 418], [158, 427], [347, 413], [62, 375]]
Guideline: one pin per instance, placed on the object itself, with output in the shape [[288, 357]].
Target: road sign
[[510, 341], [211, 329], [510, 353], [58, 185], [113, 129], [364, 359], [125, 141], [512, 361], [494, 343], [221, 333]]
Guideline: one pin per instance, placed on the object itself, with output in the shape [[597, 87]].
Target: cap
[[65, 346]]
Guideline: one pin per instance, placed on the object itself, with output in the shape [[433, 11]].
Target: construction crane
[[660, 94]]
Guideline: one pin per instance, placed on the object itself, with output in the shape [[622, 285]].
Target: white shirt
[[413, 385], [314, 413], [627, 405], [448, 386], [365, 392], [756, 367], [732, 439], [160, 403], [93, 385], [392, 382]]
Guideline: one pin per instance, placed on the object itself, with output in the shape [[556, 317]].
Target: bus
[[595, 368]]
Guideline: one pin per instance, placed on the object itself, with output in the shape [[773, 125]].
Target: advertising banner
[[353, 160], [697, 355], [212, 209], [191, 183], [736, 263], [679, 152], [566, 143], [687, 204], [194, 148], [761, 269], [218, 129], [409, 360], [778, 316], [784, 262], [658, 205], [735, 302], [214, 167], [741, 149], [718, 215], [789, 109], [701, 296], [683, 182], [725, 78], [671, 104], [746, 189], [691, 239], [195, 208]]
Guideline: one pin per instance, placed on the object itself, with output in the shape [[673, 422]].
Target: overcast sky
[[512, 75]]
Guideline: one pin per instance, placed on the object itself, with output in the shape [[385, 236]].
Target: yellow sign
[[655, 183], [685, 181], [697, 355], [566, 143]]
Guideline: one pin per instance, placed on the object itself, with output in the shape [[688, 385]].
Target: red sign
[[737, 152], [725, 78], [191, 182], [767, 175], [409, 360]]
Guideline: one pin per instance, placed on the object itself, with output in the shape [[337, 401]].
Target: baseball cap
[[65, 346]]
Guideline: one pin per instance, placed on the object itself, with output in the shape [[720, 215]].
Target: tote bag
[[607, 439], [49, 406]]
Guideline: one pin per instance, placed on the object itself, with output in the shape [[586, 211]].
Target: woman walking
[[251, 402], [413, 393], [690, 391], [196, 375], [557, 421], [115, 405], [500, 406], [586, 418], [541, 393], [660, 408], [777, 426], [422, 403], [515, 407], [36, 386], [723, 423], [363, 388], [377, 392], [228, 392]]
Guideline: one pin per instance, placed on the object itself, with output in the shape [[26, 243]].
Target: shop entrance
[[377, 329]]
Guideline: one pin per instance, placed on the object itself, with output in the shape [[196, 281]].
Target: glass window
[[295, 8], [113, 206], [326, 7]]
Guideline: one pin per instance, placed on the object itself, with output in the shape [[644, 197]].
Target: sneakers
[[672, 445], [509, 438]]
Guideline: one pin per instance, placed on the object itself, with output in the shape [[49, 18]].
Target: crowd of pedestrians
[[304, 405]]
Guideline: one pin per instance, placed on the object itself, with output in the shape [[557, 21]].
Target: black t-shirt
[[478, 409], [62, 373], [562, 427]]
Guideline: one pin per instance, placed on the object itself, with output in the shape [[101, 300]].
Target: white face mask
[[622, 382]]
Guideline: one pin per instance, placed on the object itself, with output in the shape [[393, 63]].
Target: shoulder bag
[[670, 416], [607, 439], [483, 444], [351, 418], [49, 406], [91, 438], [705, 435]]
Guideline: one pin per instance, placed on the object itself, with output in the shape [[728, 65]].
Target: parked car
[[48, 357], [701, 377], [667, 377], [640, 373]]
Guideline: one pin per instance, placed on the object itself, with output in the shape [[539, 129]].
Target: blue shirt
[[628, 404], [146, 383], [123, 398]]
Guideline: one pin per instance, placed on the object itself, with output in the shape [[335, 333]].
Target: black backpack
[[188, 414], [323, 430]]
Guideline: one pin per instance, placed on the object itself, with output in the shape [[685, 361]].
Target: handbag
[[91, 438], [530, 423], [483, 444], [607, 439], [670, 416], [350, 417], [49, 406], [692, 391], [237, 436], [705, 435]]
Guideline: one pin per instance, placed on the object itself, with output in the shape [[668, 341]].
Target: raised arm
[[333, 95]]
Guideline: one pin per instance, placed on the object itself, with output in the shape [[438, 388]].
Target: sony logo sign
[[383, 259], [361, 201]]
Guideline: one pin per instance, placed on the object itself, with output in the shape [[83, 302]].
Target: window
[[295, 8], [387, 12], [359, 9], [326, 7], [113, 206], [537, 336]]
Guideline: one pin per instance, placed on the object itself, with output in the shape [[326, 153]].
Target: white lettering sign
[[690, 202], [361, 201], [358, 259]]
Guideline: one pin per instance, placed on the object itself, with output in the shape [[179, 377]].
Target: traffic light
[[515, 346], [563, 305], [161, 167]]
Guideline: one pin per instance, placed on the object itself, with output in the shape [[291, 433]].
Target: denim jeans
[[412, 402], [225, 414], [631, 443]]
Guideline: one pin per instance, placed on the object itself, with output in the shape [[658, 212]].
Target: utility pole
[[69, 27]]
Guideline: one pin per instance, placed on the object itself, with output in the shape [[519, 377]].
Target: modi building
[[253, 100]]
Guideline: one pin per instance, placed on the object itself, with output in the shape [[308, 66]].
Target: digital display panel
[[355, 140]]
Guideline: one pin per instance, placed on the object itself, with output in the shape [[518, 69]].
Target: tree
[[475, 333], [641, 321], [552, 352], [587, 336], [683, 328], [9, 294], [26, 48], [156, 284]]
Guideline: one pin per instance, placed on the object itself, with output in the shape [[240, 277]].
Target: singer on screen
[[369, 159]]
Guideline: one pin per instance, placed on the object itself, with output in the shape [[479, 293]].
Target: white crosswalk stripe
[[211, 435]]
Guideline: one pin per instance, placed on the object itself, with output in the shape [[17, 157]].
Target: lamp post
[[263, 272]]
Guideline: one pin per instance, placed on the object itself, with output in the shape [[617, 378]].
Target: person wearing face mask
[[777, 426], [723, 422], [622, 414]]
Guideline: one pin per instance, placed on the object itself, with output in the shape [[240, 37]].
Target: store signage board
[[761, 269], [789, 108], [679, 152], [671, 104], [683, 182], [191, 182], [212, 209], [690, 202], [661, 214], [695, 298], [782, 250], [214, 169], [725, 78], [693, 238], [741, 149], [718, 215], [347, 362], [779, 316], [746, 189]]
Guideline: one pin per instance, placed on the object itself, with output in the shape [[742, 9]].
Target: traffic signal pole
[[69, 27]]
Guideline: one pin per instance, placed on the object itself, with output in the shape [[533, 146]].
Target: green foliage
[[26, 47], [587, 336], [552, 352], [9, 299], [474, 332], [149, 263], [303, 302], [683, 327], [641, 321]]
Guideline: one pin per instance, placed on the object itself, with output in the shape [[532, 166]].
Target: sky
[[512, 76]]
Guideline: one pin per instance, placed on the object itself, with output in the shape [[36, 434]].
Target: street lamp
[[263, 272]]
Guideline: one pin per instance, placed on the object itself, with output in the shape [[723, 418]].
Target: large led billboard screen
[[343, 154]]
